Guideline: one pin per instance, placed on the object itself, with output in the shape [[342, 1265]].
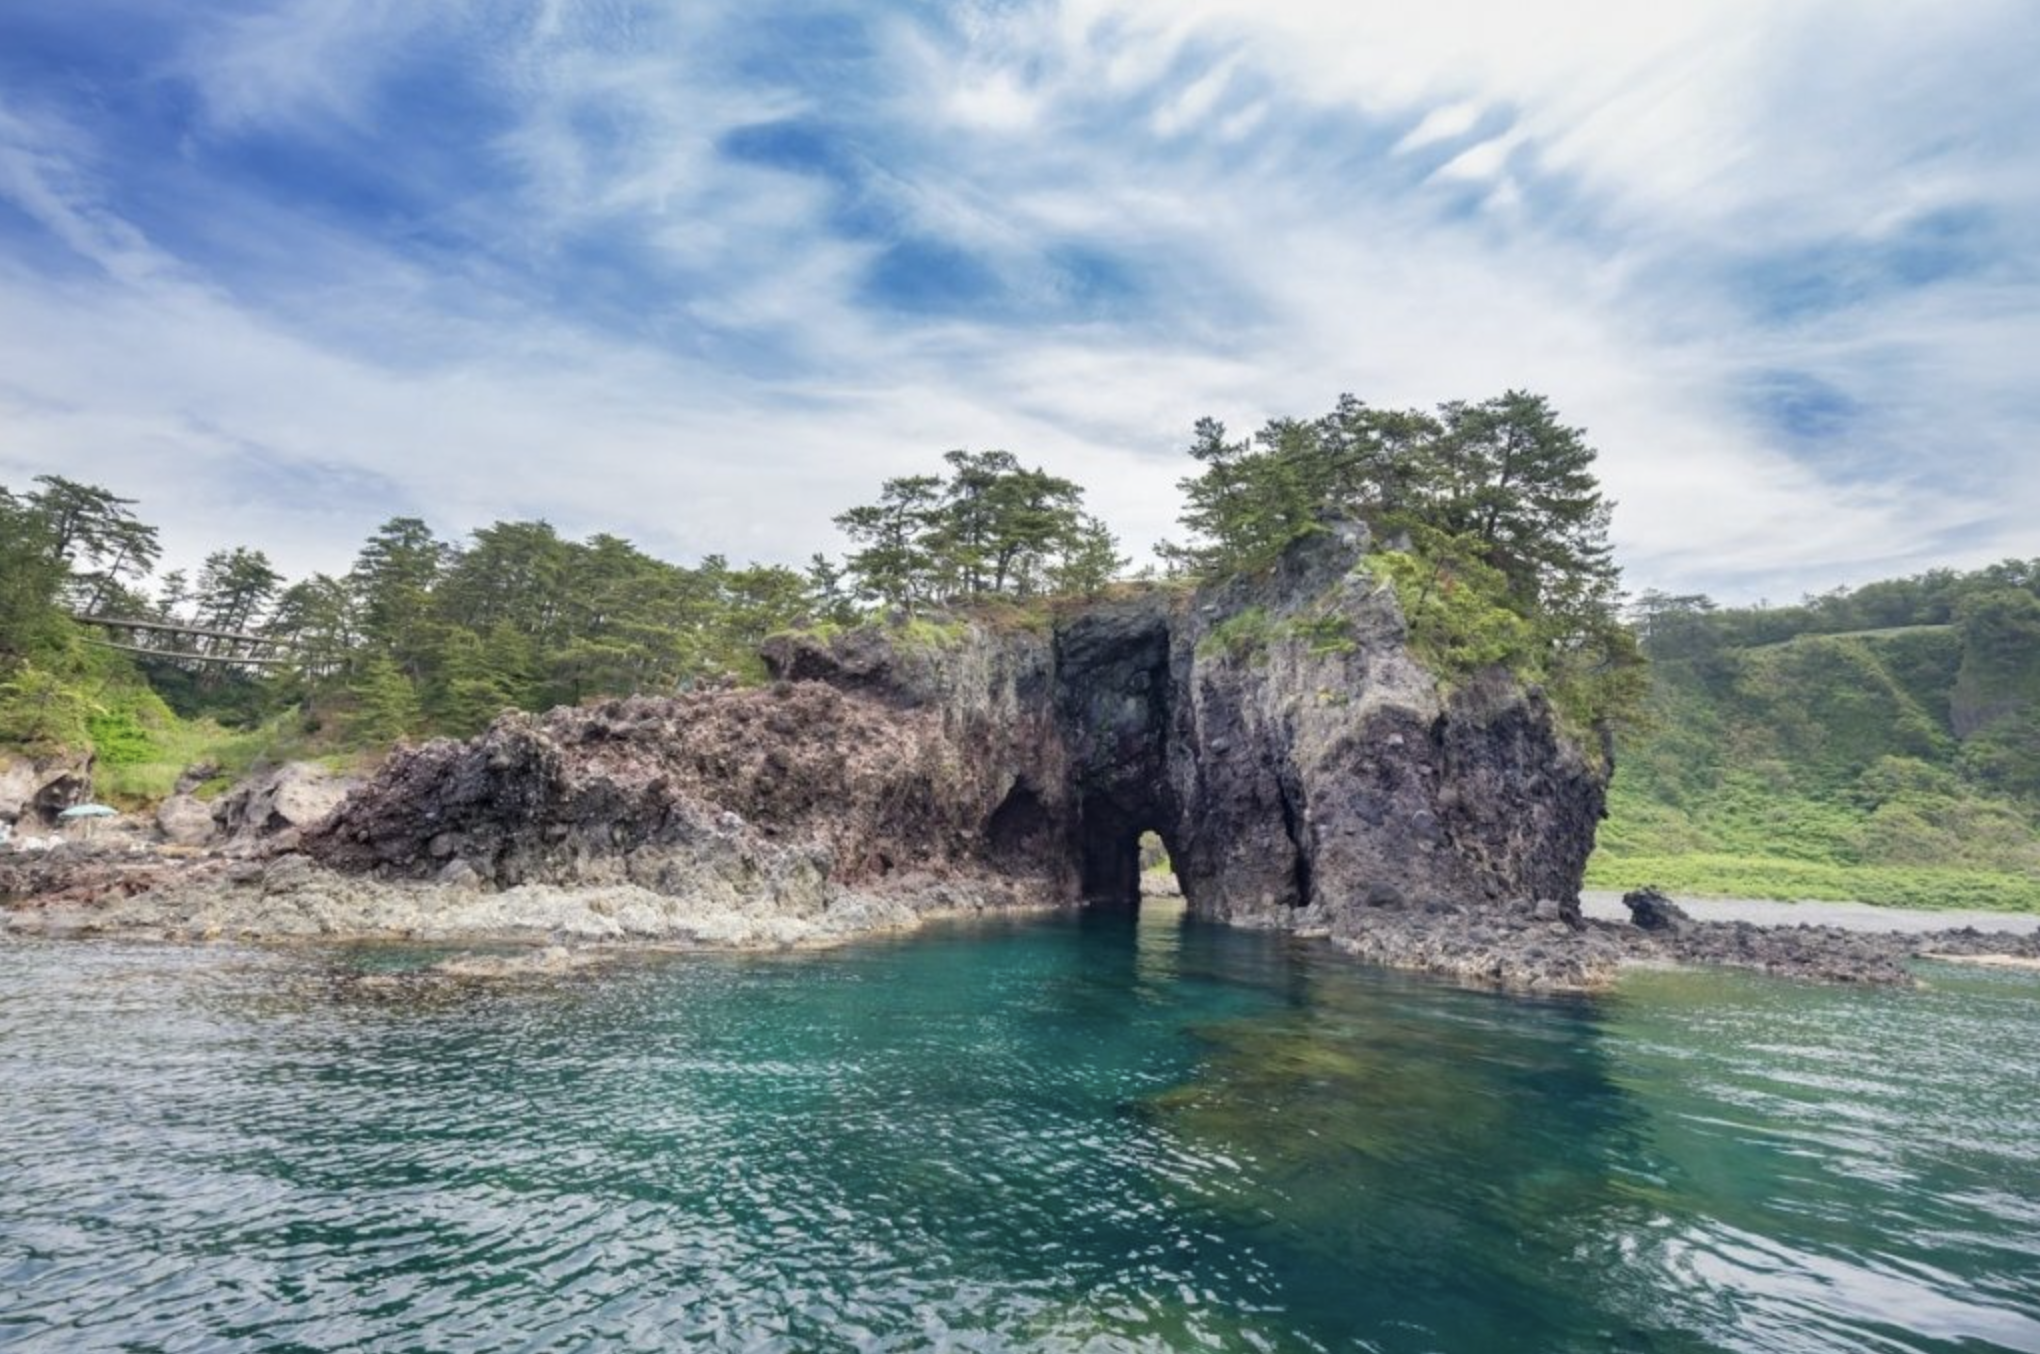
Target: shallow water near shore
[[1063, 1133]]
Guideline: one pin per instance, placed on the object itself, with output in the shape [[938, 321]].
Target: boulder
[[186, 820], [282, 800], [1651, 910]]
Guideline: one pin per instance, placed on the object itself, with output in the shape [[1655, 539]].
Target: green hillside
[[1881, 744]]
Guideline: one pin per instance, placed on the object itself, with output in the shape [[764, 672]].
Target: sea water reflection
[[1084, 1133]]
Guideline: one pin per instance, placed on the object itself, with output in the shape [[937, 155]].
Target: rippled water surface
[[1053, 1135]]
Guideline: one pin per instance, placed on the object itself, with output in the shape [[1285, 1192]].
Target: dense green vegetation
[[419, 636], [427, 636], [1501, 558], [991, 529], [1880, 744], [1496, 527]]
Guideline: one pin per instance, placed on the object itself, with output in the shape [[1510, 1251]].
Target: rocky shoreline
[[1275, 735], [282, 897], [1535, 949], [288, 897]]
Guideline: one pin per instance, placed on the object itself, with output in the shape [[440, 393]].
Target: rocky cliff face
[[877, 771], [1308, 768], [1276, 732]]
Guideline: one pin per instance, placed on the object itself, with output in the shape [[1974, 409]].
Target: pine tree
[[1090, 560], [31, 578], [1523, 484], [93, 535], [385, 702], [895, 567], [392, 582]]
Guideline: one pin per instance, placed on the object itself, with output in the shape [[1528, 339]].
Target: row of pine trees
[[1493, 503]]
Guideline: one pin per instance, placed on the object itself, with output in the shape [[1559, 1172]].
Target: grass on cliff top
[[140, 783], [920, 631], [1719, 876], [1902, 834]]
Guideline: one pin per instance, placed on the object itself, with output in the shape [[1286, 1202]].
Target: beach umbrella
[[87, 811]]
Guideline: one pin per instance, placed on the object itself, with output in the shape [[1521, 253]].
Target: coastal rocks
[[786, 797], [85, 872], [1295, 759], [1511, 948], [1650, 910], [186, 820], [1277, 734], [33, 791], [1529, 950], [1301, 769], [291, 898], [1298, 761], [277, 803]]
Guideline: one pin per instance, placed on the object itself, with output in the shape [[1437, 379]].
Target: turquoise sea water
[[1062, 1134]]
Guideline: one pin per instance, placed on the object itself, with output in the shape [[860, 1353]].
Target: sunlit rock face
[[1301, 765]]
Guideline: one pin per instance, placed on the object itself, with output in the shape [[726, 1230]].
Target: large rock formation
[[33, 791], [1300, 764]]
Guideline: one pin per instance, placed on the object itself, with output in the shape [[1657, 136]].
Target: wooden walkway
[[271, 651]]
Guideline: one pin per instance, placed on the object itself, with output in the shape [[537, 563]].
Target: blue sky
[[702, 274]]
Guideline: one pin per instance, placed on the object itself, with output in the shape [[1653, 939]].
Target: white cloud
[[1446, 122], [1199, 144], [1484, 161], [302, 61], [37, 177], [996, 100], [1191, 107]]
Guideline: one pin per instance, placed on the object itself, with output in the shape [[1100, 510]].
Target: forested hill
[[1881, 743]]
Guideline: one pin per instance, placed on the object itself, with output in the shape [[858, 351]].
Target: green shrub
[[1242, 634], [42, 714], [928, 634], [1328, 634], [1458, 619]]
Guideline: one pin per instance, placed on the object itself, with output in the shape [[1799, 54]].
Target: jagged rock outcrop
[[33, 791], [280, 802], [794, 793], [1300, 764]]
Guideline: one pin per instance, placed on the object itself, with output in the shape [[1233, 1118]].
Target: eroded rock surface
[[281, 802], [33, 791]]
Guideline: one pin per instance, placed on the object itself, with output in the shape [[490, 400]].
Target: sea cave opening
[[1128, 866], [1159, 889]]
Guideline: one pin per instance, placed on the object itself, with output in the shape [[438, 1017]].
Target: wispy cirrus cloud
[[703, 276]]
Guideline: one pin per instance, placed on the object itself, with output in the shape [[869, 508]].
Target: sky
[[703, 274]]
